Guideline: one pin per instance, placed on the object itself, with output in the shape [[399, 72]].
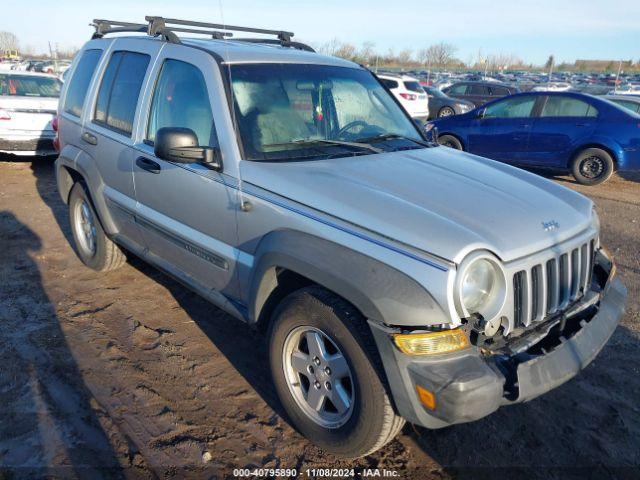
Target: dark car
[[587, 135], [441, 105], [479, 93]]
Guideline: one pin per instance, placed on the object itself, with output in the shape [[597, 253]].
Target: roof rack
[[166, 27]]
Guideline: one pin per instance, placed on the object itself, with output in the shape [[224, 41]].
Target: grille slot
[[547, 287]]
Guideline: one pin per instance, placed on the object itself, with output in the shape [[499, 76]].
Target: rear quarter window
[[390, 84], [79, 83]]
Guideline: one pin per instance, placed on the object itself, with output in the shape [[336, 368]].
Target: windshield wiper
[[390, 136], [315, 141]]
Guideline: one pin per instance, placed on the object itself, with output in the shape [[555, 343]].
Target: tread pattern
[[392, 423]]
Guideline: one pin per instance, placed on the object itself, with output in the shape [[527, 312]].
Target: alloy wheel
[[318, 376]]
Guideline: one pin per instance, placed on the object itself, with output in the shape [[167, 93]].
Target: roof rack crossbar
[[282, 35], [166, 27]]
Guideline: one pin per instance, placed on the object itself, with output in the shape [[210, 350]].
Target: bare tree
[[9, 41], [438, 55]]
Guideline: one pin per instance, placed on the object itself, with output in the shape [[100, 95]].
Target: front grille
[[544, 289]]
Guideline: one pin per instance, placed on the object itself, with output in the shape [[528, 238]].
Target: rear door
[[564, 122], [187, 212], [503, 132], [109, 128]]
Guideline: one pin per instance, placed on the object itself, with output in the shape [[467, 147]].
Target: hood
[[437, 200]]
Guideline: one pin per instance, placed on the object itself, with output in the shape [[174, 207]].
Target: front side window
[[120, 89], [287, 111], [181, 100], [459, 89], [559, 106], [518, 107], [77, 90], [29, 86]]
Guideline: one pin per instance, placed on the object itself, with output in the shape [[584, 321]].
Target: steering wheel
[[350, 125]]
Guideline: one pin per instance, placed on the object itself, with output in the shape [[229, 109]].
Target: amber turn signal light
[[431, 343]]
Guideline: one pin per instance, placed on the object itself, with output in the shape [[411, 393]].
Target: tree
[[9, 41], [438, 55]]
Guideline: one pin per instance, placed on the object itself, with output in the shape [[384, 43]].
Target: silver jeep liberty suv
[[394, 280]]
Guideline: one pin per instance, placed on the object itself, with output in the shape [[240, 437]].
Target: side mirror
[[481, 113], [180, 145]]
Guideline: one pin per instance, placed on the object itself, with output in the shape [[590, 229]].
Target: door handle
[[89, 138], [148, 165], [581, 124]]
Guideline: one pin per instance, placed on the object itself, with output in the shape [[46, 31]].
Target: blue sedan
[[589, 136]]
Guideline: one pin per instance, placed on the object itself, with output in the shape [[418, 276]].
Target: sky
[[532, 30]]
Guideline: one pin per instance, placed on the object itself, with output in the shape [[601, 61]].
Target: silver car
[[394, 279]]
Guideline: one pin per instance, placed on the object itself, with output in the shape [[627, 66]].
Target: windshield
[[413, 86], [29, 86], [297, 111]]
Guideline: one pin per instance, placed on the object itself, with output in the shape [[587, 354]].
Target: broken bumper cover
[[468, 386]]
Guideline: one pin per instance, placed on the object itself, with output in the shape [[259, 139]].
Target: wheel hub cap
[[318, 376], [592, 167], [85, 226]]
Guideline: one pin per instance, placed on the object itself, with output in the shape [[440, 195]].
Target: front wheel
[[328, 374], [446, 112], [592, 166], [449, 141]]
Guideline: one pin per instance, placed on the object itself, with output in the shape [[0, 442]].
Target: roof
[[236, 51]]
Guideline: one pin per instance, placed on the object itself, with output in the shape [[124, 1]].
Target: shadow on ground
[[46, 416]]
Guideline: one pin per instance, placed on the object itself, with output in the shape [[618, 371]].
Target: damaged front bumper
[[470, 384]]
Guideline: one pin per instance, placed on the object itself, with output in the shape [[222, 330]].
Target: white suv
[[409, 93]]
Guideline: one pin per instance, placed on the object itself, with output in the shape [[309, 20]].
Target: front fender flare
[[381, 293]]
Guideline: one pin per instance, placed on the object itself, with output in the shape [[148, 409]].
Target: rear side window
[[181, 100], [477, 90], [120, 90], [499, 91], [390, 84], [77, 90], [558, 106], [413, 87], [29, 86]]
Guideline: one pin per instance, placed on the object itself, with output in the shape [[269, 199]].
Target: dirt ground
[[130, 375]]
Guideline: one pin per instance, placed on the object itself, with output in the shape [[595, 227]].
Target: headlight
[[480, 286]]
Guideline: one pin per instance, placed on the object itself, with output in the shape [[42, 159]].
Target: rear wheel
[[449, 141], [328, 374], [446, 112], [93, 246], [592, 166]]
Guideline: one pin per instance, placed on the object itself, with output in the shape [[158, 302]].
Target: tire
[[100, 253], [592, 166], [446, 112], [450, 141], [370, 421]]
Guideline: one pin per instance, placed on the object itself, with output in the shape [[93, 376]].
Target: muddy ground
[[128, 374]]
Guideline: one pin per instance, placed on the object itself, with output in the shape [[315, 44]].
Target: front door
[[502, 133], [186, 212]]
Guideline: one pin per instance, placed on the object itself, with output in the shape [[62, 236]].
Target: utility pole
[[615, 87]]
